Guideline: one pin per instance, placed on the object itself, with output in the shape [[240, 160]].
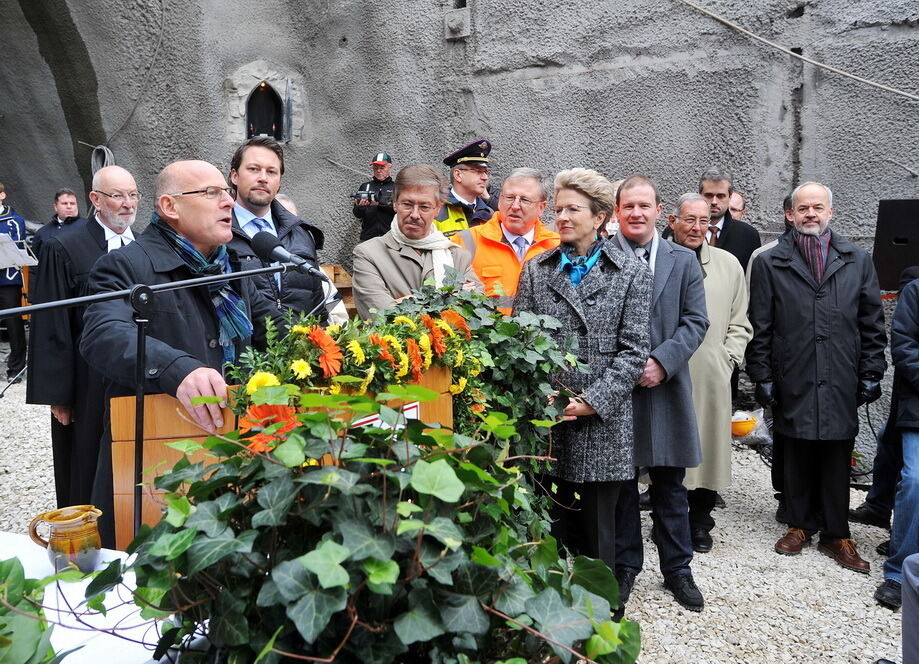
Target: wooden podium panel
[[163, 424]]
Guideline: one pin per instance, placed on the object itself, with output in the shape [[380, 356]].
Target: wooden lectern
[[164, 424]]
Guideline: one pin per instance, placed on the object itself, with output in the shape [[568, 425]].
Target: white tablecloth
[[97, 646]]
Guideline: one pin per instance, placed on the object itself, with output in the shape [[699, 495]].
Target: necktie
[[262, 224], [713, 238], [520, 246], [642, 254]]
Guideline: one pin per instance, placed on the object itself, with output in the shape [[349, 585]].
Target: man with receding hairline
[[58, 374], [193, 333]]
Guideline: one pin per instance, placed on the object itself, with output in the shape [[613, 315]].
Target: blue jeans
[[904, 535], [885, 471]]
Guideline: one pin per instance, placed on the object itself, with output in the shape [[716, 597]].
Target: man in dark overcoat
[[193, 333], [58, 374], [817, 354], [666, 435]]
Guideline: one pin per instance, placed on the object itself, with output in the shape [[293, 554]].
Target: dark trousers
[[886, 471], [701, 503], [778, 465], [586, 526], [61, 450], [670, 516], [11, 296], [817, 482]]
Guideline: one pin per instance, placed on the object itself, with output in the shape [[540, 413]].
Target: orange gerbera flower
[[384, 353], [414, 355], [455, 320], [330, 356], [437, 335], [262, 417]]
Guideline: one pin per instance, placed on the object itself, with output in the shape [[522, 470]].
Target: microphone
[[267, 247]]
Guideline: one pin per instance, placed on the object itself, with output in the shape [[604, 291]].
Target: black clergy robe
[[58, 374]]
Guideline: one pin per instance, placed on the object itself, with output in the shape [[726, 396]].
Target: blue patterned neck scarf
[[231, 313], [577, 267]]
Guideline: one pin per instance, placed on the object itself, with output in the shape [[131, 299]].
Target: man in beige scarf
[[387, 269]]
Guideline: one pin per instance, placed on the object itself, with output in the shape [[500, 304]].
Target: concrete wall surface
[[638, 85]]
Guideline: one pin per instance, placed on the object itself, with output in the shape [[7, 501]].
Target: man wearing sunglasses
[[513, 235]]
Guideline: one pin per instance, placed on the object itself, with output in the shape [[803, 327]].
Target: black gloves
[[869, 390], [764, 393]]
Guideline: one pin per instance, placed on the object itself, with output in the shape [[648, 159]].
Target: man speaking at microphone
[[193, 333], [255, 172]]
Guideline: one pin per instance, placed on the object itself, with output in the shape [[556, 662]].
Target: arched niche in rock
[[251, 107]]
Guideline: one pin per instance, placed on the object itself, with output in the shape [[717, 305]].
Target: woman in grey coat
[[602, 297]]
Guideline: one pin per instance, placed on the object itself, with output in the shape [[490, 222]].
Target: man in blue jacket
[[11, 289]]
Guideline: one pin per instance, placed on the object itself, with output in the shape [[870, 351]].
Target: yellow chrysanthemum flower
[[333, 329], [261, 379], [476, 367], [405, 320], [356, 352], [301, 369], [424, 342], [300, 329], [335, 388], [394, 343], [459, 386], [403, 365], [459, 358], [445, 326], [362, 389], [310, 462]]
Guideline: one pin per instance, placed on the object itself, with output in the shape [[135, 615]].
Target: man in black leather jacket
[[255, 172]]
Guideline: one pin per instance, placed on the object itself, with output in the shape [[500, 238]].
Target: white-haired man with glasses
[[387, 269], [58, 376], [193, 333], [513, 235]]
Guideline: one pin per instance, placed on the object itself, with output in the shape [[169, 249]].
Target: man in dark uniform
[[11, 289], [465, 205], [66, 213], [376, 215], [255, 172], [193, 333], [58, 375]]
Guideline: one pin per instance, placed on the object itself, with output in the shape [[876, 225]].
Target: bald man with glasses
[[513, 235]]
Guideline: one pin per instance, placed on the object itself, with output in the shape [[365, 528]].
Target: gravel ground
[[760, 606]]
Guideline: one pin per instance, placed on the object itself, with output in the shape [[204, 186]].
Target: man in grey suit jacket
[[664, 421]]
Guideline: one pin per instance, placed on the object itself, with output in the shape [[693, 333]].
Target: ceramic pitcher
[[74, 536]]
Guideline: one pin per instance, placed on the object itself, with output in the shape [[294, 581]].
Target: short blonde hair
[[589, 183]]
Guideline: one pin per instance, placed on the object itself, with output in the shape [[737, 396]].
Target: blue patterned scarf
[[231, 313], [577, 267]]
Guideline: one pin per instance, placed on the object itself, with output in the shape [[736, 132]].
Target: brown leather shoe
[[843, 552], [792, 542]]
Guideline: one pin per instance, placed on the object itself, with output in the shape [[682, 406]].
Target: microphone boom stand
[[140, 297]]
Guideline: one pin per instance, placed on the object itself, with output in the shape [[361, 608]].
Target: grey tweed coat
[[608, 315]]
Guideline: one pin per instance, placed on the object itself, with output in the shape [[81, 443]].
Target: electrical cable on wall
[[787, 51]]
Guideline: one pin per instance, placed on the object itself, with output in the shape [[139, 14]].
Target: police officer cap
[[381, 158], [473, 153]]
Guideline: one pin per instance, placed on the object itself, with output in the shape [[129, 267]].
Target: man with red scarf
[[817, 354]]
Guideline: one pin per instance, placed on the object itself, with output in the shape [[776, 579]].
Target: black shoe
[[685, 591], [889, 594], [780, 514], [719, 502], [625, 577], [883, 549], [864, 514], [644, 500], [701, 540]]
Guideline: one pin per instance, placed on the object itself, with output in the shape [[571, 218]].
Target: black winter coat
[[904, 349], [814, 341], [376, 219], [300, 292]]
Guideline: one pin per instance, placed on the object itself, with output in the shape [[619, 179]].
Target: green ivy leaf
[[323, 561], [512, 601], [557, 621], [276, 497], [187, 446], [172, 545], [341, 479], [105, 580], [207, 519], [596, 577], [381, 571], [462, 613], [268, 646], [312, 613], [178, 509], [291, 581], [200, 401], [291, 451], [420, 622], [206, 551], [274, 395], [404, 508], [482, 557], [362, 542], [437, 479]]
